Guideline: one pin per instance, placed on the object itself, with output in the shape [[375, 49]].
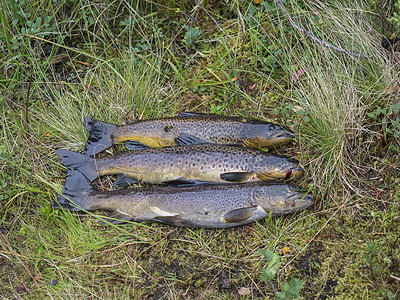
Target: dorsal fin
[[191, 114]]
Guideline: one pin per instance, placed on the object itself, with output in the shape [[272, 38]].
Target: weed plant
[[120, 61]]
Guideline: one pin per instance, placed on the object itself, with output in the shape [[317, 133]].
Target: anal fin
[[117, 217], [123, 181], [181, 182], [173, 220]]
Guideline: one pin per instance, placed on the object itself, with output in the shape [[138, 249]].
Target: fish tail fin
[[81, 162], [99, 135], [76, 188]]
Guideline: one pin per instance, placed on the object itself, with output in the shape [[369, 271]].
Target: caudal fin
[[76, 189], [99, 135], [81, 162]]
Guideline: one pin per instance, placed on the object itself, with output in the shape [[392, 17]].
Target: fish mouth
[[299, 201], [284, 173], [284, 135], [281, 138], [289, 170], [294, 172]]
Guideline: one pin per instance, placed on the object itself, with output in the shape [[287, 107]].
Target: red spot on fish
[[288, 174]]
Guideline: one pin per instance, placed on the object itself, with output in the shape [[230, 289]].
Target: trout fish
[[187, 164], [211, 206], [186, 129]]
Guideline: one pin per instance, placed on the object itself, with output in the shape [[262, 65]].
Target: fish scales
[[219, 130], [204, 163], [184, 130], [212, 206], [201, 162]]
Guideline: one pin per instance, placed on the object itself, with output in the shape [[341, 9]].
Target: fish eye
[[272, 127], [308, 197]]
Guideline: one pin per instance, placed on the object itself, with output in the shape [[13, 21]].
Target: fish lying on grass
[[187, 164], [211, 206], [186, 129]]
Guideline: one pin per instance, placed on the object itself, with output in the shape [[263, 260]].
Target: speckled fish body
[[211, 206], [187, 129], [205, 163]]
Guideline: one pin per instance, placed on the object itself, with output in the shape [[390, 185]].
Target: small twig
[[383, 20], [272, 286], [381, 16], [189, 16], [371, 270], [163, 6], [314, 38], [394, 277], [27, 100]]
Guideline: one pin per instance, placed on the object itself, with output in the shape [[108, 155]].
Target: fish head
[[272, 167], [267, 135], [282, 199]]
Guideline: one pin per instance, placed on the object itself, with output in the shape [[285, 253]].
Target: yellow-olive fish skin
[[211, 206], [187, 129], [205, 163]]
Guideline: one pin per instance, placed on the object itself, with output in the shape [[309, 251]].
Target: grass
[[330, 94], [117, 62]]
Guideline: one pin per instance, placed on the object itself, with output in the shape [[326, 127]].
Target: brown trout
[[211, 206], [197, 163], [186, 129]]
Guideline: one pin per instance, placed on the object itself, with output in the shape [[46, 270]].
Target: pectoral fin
[[123, 181], [133, 145], [236, 176], [187, 139], [239, 215], [179, 181], [171, 220]]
